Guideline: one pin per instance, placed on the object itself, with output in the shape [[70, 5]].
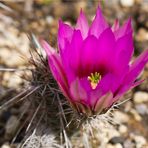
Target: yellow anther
[[94, 79]]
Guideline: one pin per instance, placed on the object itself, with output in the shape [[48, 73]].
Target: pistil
[[94, 79]]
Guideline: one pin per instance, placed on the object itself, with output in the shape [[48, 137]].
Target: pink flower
[[92, 66]]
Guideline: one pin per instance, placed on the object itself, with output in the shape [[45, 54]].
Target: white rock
[[5, 146], [118, 145], [140, 97], [49, 19], [128, 144], [109, 146], [127, 3], [122, 129], [142, 109], [120, 117], [140, 141], [142, 35]]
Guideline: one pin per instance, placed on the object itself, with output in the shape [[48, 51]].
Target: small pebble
[[140, 141], [49, 19], [121, 117], [142, 109], [5, 146], [122, 129], [128, 144], [127, 3], [110, 146], [142, 35], [118, 145], [140, 97]]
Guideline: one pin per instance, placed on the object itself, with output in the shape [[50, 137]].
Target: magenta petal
[[123, 52], [56, 66], [135, 69], [88, 54], [78, 93], [100, 49], [137, 66], [115, 26], [137, 83], [65, 32], [48, 49], [103, 102], [123, 30], [54, 61], [109, 83], [82, 24], [85, 83], [75, 53], [72, 55], [105, 85], [105, 51], [106, 43], [98, 25], [140, 61]]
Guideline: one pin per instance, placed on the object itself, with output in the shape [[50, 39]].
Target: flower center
[[94, 79]]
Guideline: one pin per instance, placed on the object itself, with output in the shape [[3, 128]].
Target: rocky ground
[[18, 19]]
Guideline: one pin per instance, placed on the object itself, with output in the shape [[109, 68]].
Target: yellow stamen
[[94, 79]]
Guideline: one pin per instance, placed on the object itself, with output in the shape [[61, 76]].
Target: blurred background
[[20, 18]]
